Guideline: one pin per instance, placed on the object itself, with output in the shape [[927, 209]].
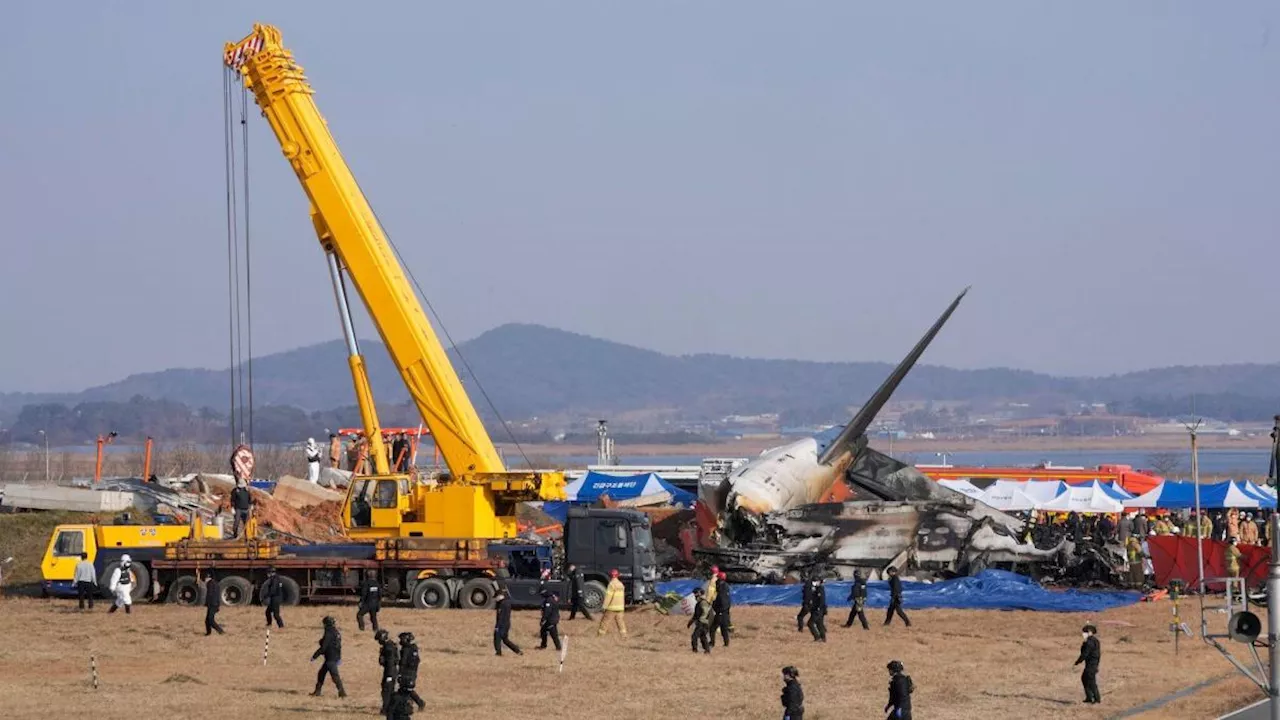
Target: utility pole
[[1243, 626], [46, 456], [1195, 482], [1273, 618]]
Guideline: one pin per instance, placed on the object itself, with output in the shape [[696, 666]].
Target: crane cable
[[240, 321], [231, 265], [453, 345]]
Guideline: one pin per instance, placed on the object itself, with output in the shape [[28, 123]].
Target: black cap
[[790, 671], [894, 666]]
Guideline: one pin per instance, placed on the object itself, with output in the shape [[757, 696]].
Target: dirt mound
[[321, 523]]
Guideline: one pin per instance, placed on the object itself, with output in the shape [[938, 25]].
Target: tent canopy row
[[1051, 495], [1226, 494]]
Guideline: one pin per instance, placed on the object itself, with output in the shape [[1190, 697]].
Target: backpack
[[911, 686]]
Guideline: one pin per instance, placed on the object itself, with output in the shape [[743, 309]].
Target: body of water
[[1212, 462]]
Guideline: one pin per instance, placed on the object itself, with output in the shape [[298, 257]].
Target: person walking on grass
[[1091, 657], [212, 603]]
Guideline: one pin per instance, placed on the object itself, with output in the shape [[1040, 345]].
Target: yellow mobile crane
[[477, 498]]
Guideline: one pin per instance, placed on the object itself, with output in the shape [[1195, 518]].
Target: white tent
[[1007, 495], [964, 487], [1086, 498], [1043, 491]]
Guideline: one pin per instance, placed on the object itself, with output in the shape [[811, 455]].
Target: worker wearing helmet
[[700, 622], [121, 585], [389, 661], [331, 649], [721, 604], [409, 661], [615, 604]]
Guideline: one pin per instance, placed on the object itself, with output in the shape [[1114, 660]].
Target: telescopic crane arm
[[353, 239]]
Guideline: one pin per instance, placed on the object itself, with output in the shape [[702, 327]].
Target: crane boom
[[347, 227], [479, 496]]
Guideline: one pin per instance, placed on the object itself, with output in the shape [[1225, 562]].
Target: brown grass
[[966, 664]]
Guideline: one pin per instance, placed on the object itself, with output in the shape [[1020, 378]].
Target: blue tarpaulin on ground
[[988, 590]]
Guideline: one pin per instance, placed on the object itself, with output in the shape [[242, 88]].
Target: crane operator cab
[[377, 501]]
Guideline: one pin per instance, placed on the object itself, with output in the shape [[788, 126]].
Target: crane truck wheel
[[237, 591], [476, 594], [593, 595], [141, 580], [187, 591], [430, 594]]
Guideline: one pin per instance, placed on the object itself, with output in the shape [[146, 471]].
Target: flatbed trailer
[[430, 574]]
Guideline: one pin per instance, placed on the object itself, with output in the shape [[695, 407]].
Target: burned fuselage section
[[906, 520]]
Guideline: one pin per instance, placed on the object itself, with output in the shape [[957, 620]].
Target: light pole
[[46, 456]]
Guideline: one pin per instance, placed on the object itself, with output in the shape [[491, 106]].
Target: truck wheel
[[431, 594], [476, 594], [141, 580], [292, 594], [187, 591], [593, 595], [236, 591]]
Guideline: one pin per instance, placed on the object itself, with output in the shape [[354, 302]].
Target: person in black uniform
[[1091, 656], [272, 596], [576, 583], [370, 600], [400, 453], [895, 599], [389, 661], [818, 611], [900, 689], [241, 505], [700, 622], [858, 600], [212, 603], [792, 694], [409, 661], [550, 623], [806, 602], [722, 605], [502, 624], [331, 649]]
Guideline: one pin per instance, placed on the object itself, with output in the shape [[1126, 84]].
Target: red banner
[[1174, 558]]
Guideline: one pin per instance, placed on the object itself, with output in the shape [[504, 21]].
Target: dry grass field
[[966, 664]]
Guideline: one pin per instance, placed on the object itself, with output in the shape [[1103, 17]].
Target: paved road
[[1256, 711]]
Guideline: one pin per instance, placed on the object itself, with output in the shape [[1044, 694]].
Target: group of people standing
[[357, 455]]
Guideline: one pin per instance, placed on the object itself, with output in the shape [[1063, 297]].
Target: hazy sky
[[804, 180]]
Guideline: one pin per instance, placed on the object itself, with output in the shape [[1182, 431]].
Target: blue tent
[[591, 486], [588, 489]]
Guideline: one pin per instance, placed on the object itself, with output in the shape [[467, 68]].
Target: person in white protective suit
[[313, 461], [121, 585]]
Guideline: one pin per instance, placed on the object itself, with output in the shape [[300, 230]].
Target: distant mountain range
[[530, 370]]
